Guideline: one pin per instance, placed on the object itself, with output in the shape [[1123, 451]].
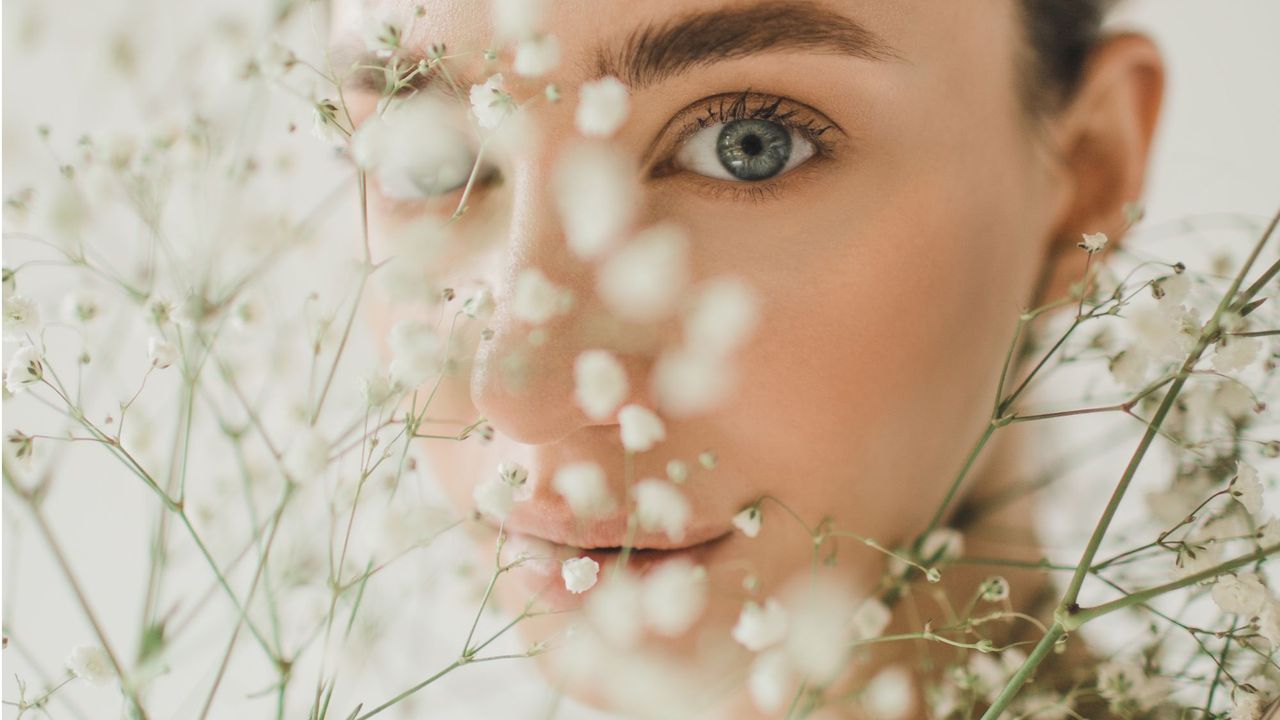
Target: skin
[[891, 275]]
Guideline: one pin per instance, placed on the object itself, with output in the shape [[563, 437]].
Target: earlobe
[[1104, 140]]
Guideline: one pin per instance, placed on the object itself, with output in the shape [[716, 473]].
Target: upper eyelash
[[737, 107]]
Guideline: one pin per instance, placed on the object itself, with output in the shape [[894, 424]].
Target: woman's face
[[889, 267]]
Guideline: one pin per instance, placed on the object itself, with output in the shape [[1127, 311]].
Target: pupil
[[753, 149]]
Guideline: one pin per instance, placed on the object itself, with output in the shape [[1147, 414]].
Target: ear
[[1102, 141]]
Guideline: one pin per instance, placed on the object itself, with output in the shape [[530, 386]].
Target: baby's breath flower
[[21, 316], [1246, 488], [1269, 622], [26, 367], [640, 428], [537, 55], [1240, 594], [595, 188], [674, 594], [479, 305], [418, 353], [536, 299], [375, 388], [615, 611], [724, 313], [889, 695], [677, 470], [1092, 242], [687, 381], [707, 459], [602, 107], [642, 281], [579, 573], [494, 497], [414, 149], [1235, 352], [748, 521], [516, 19], [1129, 367], [870, 619], [600, 383], [994, 589], [91, 662], [1126, 685], [769, 681], [80, 306], [661, 506], [161, 352], [324, 123], [513, 474], [760, 626], [584, 488], [491, 102]]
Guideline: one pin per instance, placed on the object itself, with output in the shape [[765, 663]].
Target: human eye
[[751, 140]]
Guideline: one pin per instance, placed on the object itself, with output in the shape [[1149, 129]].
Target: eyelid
[[726, 107]]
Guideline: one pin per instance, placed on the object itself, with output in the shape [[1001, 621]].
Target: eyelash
[[745, 105]]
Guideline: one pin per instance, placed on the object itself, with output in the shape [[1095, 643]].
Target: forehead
[[973, 37]]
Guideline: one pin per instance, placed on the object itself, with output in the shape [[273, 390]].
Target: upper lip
[[605, 532]]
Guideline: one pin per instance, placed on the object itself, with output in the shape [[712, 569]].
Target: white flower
[[536, 299], [642, 281], [1234, 400], [748, 521], [491, 103], [415, 149], [537, 55], [80, 306], [1092, 242], [418, 353], [579, 573], [614, 609], [324, 123], [759, 627], [479, 305], [660, 505], [494, 498], [819, 627], [584, 487], [26, 367], [1174, 288], [1129, 367], [1165, 331], [640, 428], [1247, 705], [375, 388], [1247, 488], [513, 474], [600, 383], [161, 352], [1269, 622], [723, 315], [674, 595], [770, 680], [889, 695], [687, 382], [21, 316], [870, 619], [91, 662], [308, 456], [602, 106], [1240, 594], [1124, 682], [677, 470], [994, 589], [518, 18], [1235, 352], [596, 188]]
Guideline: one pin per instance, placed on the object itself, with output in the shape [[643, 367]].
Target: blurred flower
[[642, 280], [889, 695], [161, 352], [870, 619], [1240, 594], [536, 299], [659, 505], [1246, 488], [517, 19], [308, 456], [595, 189], [537, 55], [640, 428], [513, 474], [600, 383], [1092, 242], [80, 305], [673, 596], [759, 627], [415, 149], [579, 573], [615, 611], [748, 521], [418, 353], [1235, 352], [21, 316], [25, 368], [491, 103], [91, 662], [584, 488], [724, 313], [602, 107], [494, 497], [769, 681]]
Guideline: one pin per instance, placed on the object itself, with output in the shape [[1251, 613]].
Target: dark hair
[[1058, 35]]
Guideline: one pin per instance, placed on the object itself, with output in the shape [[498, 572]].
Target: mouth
[[646, 550]]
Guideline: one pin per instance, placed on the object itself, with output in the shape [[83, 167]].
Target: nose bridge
[[523, 377]]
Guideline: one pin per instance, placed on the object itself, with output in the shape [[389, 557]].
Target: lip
[[606, 533]]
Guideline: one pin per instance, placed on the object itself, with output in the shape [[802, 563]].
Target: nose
[[522, 380]]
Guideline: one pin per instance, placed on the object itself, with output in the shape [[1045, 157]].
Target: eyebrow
[[657, 52]]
